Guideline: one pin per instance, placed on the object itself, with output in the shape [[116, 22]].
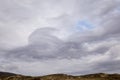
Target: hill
[[97, 76]]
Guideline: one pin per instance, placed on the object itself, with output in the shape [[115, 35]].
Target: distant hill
[[7, 74], [97, 76]]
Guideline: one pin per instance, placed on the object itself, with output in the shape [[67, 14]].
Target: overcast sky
[[40, 37]]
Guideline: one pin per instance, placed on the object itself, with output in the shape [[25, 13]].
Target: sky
[[40, 37]]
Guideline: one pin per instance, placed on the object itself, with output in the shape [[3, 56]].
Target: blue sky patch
[[83, 25]]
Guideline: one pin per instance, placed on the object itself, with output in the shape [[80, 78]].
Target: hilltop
[[97, 76]]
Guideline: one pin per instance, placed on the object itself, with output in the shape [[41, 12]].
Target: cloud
[[39, 37]]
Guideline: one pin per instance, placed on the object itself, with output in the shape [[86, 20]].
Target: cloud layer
[[40, 37]]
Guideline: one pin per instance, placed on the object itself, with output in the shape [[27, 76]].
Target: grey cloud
[[109, 29], [43, 44], [111, 66], [23, 30]]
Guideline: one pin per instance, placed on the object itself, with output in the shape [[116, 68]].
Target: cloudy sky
[[40, 37]]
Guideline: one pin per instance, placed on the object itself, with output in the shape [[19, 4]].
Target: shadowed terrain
[[97, 76]]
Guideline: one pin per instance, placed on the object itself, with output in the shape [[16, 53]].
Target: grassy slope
[[100, 76]]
